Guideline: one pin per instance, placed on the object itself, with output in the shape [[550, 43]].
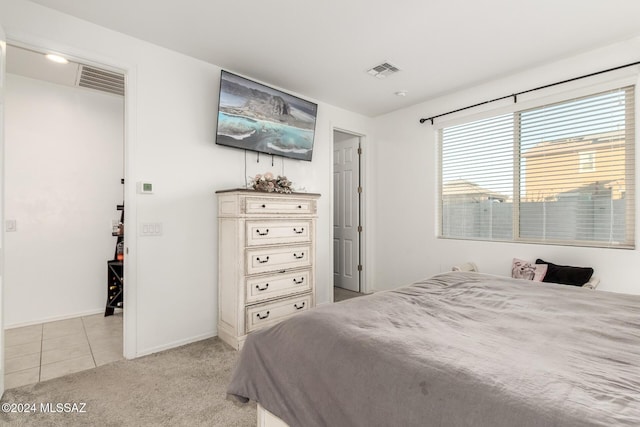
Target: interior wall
[[406, 223], [63, 164], [176, 100]]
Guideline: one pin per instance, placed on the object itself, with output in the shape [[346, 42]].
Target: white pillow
[[521, 269]]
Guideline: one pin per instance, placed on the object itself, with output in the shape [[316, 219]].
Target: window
[[532, 176], [587, 161]]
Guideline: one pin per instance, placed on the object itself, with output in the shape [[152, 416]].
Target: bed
[[458, 349]]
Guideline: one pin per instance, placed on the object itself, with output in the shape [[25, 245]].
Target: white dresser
[[266, 259]]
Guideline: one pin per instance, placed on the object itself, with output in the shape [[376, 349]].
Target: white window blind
[[559, 174]]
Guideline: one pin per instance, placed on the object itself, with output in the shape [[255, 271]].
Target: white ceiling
[[322, 48], [35, 65]]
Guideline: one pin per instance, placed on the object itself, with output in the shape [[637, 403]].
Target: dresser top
[[264, 193]]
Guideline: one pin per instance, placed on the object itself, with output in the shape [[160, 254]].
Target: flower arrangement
[[271, 184]]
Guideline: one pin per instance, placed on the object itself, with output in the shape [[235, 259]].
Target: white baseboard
[[177, 343], [55, 318]]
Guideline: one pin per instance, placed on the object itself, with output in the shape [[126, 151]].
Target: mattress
[[458, 349]]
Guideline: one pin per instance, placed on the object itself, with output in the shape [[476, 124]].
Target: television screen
[[256, 117]]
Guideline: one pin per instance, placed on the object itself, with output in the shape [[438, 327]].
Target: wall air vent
[[383, 70], [97, 79]]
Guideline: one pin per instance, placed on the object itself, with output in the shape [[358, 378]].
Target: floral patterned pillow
[[521, 269]]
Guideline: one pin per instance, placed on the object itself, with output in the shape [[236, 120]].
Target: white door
[[346, 201], [3, 57]]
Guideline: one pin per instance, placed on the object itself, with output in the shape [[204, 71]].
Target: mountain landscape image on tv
[[256, 117]]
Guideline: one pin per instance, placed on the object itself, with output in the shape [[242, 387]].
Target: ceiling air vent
[[97, 79], [383, 70]]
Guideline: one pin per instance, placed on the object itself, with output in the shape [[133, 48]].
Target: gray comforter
[[459, 349]]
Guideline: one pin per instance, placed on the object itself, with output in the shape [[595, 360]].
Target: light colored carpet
[[340, 294], [184, 386]]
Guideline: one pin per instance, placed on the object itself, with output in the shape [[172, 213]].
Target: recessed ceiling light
[[56, 58], [401, 93]]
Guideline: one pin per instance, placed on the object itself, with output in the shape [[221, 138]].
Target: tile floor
[[50, 350]]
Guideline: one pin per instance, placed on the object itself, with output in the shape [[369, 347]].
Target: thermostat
[[145, 187]]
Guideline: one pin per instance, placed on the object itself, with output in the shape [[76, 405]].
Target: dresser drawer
[[278, 232], [266, 205], [259, 316], [263, 260], [278, 285]]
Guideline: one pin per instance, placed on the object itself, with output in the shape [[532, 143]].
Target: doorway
[[347, 214], [62, 191]]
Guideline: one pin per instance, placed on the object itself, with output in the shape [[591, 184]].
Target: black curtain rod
[[515, 95]]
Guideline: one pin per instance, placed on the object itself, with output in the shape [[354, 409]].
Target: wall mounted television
[[256, 117]]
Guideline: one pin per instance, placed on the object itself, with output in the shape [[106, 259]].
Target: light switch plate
[[11, 225], [148, 229]]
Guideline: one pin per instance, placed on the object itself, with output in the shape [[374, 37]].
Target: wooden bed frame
[[267, 419]]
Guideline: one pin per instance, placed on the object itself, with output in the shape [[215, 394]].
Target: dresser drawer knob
[[296, 256], [297, 282], [263, 206], [299, 307], [266, 286], [262, 317], [264, 233], [299, 206], [262, 261], [295, 230]]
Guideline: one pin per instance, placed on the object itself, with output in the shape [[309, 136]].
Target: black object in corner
[[115, 269]]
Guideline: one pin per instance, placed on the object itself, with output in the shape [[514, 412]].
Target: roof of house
[[462, 187], [580, 143]]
